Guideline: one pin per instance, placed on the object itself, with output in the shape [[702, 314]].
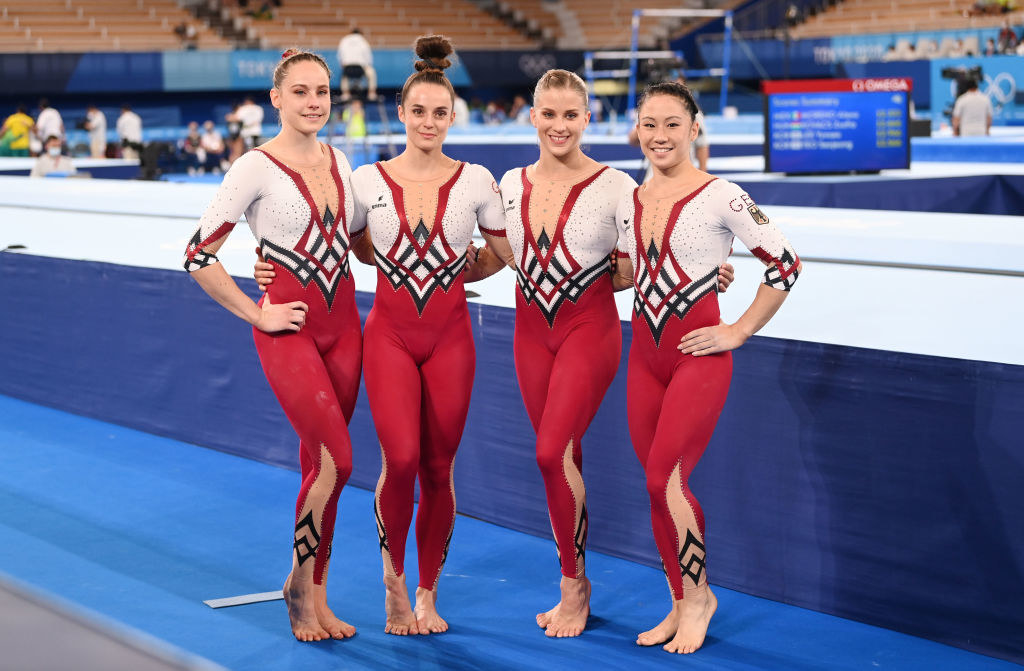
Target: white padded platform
[[958, 313]]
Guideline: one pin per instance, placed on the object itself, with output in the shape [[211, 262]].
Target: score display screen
[[836, 125]]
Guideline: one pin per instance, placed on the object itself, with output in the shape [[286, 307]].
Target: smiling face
[[665, 129], [304, 97], [426, 111], [560, 116]]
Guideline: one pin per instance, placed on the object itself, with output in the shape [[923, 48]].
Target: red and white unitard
[[301, 219], [674, 399], [418, 358], [568, 338]]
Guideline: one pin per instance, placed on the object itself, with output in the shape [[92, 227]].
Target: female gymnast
[[560, 222], [297, 199], [421, 209], [675, 231]]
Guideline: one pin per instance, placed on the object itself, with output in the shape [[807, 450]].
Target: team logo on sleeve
[[759, 217]]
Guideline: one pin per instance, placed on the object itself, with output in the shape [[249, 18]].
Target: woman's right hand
[[283, 317], [263, 272]]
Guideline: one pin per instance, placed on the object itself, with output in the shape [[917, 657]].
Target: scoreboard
[[836, 125]]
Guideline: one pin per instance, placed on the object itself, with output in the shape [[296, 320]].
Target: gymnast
[[421, 209], [560, 223], [296, 196], [675, 231]]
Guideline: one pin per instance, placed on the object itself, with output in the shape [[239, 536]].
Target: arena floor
[[131, 532]]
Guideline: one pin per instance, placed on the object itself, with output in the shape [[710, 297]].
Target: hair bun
[[433, 51], [288, 53]]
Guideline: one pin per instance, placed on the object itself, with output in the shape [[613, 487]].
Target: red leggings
[[564, 371], [419, 375], [673, 403], [315, 375]]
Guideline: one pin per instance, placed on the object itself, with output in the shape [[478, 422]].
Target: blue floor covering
[[141, 529]]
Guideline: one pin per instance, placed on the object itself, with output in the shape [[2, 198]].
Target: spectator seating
[[97, 25], [853, 17], [320, 24]]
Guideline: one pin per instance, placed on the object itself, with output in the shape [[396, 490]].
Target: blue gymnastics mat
[[142, 529]]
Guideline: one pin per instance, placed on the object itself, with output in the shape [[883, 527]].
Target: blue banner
[[250, 70], [771, 59], [1002, 78]]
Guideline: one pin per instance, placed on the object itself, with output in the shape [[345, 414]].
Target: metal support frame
[[634, 54]]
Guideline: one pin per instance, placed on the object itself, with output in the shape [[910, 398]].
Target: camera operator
[[972, 113]]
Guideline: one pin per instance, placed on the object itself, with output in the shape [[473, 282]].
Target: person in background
[[49, 122], [520, 112], [188, 35], [129, 132], [972, 112], [191, 149], [212, 143], [251, 116], [354, 119], [52, 161], [355, 58], [236, 146], [96, 124], [16, 131], [494, 114], [460, 113], [1006, 41]]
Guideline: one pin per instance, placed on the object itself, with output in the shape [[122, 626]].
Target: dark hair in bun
[[674, 89], [433, 52]]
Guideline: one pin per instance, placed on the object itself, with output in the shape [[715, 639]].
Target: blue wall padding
[[974, 194], [881, 486]]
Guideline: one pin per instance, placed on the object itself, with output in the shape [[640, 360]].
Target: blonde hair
[[433, 52], [562, 79], [293, 56]]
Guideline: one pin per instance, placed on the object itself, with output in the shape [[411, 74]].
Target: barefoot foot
[[299, 596], [665, 630], [694, 616], [683, 629], [400, 619], [427, 619], [569, 617], [338, 629]]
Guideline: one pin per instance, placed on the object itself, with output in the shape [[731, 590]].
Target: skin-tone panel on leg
[[569, 617], [399, 616], [447, 384], [299, 590], [690, 410]]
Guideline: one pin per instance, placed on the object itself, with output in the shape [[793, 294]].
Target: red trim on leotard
[[563, 216], [221, 231], [770, 260], [315, 218], [664, 250], [497, 234]]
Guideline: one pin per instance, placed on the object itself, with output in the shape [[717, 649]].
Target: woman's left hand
[[712, 340], [471, 256]]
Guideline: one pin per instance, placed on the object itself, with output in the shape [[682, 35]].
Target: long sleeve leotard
[[301, 219], [419, 358], [674, 399], [568, 339]]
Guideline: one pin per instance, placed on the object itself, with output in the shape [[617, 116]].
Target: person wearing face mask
[[560, 220], [296, 195], [52, 161], [675, 232], [212, 143], [421, 209]]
